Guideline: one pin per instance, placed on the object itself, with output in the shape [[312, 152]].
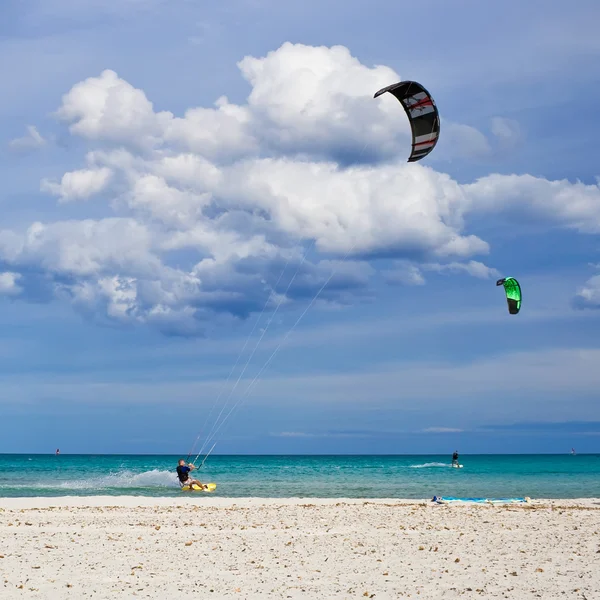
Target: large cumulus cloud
[[306, 101], [204, 211]]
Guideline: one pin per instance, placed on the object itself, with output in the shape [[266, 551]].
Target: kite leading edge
[[422, 114]]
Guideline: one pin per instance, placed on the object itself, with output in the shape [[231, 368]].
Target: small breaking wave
[[430, 465], [124, 479]]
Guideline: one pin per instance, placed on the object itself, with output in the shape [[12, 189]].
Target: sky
[[211, 236]]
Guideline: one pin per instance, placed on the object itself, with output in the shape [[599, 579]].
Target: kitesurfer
[[455, 458], [183, 473]]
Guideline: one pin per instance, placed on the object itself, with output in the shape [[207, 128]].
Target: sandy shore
[[297, 548]]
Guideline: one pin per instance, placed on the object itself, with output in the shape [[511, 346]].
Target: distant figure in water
[[572, 450], [455, 458], [57, 451], [183, 473]]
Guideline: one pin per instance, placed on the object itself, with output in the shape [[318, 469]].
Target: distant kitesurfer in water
[[57, 452], [455, 458], [183, 473]]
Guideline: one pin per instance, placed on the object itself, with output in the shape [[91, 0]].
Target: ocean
[[536, 476]]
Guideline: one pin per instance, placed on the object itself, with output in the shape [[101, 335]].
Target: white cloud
[[78, 185], [412, 274], [367, 209], [326, 434], [305, 101], [31, 141], [404, 272], [459, 141], [588, 295], [208, 207], [109, 108], [82, 248], [442, 430], [220, 134], [319, 99], [473, 268], [507, 131], [572, 205], [8, 284]]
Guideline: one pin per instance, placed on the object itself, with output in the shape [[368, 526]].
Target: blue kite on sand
[[447, 499]]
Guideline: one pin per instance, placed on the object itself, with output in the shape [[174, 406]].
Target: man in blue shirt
[[183, 473]]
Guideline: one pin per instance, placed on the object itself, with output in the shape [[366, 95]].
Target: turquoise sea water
[[537, 476]]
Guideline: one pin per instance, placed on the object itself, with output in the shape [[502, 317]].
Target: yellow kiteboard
[[210, 487]]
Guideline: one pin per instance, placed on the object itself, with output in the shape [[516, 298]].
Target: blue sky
[[171, 168]]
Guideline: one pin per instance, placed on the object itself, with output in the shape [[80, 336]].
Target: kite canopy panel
[[513, 294], [422, 114]]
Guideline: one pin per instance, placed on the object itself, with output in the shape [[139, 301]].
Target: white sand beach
[[210, 547]]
